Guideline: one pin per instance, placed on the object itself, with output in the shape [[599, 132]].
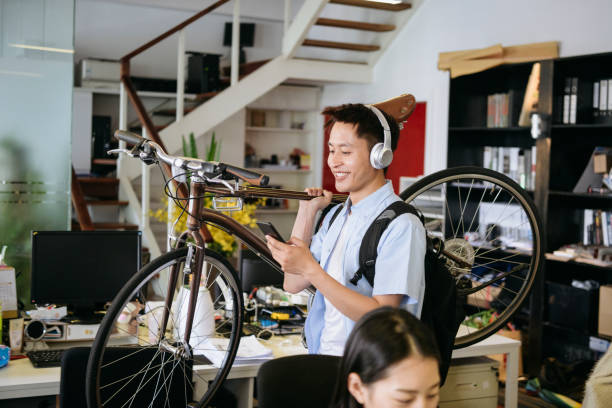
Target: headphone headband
[[383, 123]]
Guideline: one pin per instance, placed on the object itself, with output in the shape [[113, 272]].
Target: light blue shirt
[[400, 264]]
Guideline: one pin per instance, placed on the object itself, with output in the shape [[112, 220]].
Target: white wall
[[105, 29], [410, 63]]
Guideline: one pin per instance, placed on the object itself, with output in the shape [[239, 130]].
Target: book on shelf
[[514, 162], [596, 227], [578, 95], [500, 109]]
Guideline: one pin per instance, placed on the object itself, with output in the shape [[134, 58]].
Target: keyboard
[[45, 358]]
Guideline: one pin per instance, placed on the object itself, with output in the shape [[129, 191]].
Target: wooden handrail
[[80, 206], [173, 30], [137, 102]]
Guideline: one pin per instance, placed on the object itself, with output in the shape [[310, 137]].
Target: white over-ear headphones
[[381, 154]]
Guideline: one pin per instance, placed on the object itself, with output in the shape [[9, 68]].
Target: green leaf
[[194, 147], [184, 145]]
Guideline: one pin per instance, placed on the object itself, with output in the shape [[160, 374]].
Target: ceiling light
[[28, 74], [40, 48]]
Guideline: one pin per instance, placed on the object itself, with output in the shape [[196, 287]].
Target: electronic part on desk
[[272, 296]]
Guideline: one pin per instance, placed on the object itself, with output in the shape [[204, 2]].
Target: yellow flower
[[223, 242]]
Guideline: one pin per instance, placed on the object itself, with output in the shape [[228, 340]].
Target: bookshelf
[[562, 154]]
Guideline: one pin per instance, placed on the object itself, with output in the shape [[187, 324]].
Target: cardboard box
[[605, 311], [602, 163]]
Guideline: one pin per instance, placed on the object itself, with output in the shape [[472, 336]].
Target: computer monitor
[[247, 35], [82, 269], [254, 271]]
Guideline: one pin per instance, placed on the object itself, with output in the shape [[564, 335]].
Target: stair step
[[106, 203], [245, 68], [357, 25], [340, 45], [106, 162], [373, 4], [108, 226], [100, 187], [332, 61], [206, 96]]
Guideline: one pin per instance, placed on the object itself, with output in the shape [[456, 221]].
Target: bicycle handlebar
[[146, 150]]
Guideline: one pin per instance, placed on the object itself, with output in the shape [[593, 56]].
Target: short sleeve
[[400, 264]]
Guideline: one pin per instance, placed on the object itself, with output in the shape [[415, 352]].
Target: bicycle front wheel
[[133, 362], [490, 226]]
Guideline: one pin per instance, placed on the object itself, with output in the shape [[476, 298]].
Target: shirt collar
[[369, 204]]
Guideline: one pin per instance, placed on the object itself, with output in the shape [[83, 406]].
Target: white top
[[333, 336]]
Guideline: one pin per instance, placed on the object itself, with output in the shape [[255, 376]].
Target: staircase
[[328, 41]]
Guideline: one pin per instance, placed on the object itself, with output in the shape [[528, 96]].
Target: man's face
[[349, 158]]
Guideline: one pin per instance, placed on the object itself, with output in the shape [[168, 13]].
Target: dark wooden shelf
[[488, 129], [581, 200], [604, 269], [584, 126]]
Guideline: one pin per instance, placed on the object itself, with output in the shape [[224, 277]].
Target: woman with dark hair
[[390, 360]]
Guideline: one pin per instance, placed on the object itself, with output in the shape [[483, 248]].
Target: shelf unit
[[286, 118], [562, 154]]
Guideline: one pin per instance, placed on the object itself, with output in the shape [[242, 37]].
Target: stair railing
[[128, 91]]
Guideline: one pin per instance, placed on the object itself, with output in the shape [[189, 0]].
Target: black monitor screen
[[247, 34], [81, 268]]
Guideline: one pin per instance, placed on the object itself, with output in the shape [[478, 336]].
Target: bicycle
[[155, 310]]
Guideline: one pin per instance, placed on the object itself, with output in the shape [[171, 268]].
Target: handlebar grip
[[129, 137], [252, 177]]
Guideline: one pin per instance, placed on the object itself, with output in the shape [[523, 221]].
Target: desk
[[20, 379], [499, 345]]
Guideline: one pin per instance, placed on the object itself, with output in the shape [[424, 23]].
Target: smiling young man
[[329, 259]]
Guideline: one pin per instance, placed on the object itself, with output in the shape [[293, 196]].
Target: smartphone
[[268, 229]]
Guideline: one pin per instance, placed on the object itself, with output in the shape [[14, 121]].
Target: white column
[[287, 18], [123, 107], [145, 191], [180, 76], [235, 44]]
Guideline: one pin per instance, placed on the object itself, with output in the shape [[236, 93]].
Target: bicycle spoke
[[467, 198]]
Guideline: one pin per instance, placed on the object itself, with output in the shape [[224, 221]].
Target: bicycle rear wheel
[[491, 224], [133, 363]]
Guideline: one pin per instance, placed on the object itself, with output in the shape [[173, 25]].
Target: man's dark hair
[[367, 124]]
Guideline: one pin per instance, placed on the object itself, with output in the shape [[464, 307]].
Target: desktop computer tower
[[202, 72]]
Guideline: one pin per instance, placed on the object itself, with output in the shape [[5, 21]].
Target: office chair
[[74, 365], [302, 381]]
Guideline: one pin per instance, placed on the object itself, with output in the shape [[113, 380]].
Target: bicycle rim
[[489, 222], [132, 364]]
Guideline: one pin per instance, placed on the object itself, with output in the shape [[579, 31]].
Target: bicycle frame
[[198, 215]]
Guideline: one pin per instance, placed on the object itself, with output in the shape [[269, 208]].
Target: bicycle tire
[[425, 189], [98, 365]]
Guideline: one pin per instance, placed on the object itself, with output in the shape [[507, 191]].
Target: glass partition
[[36, 77]]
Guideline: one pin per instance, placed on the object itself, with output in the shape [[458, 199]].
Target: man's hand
[[322, 200], [294, 257]]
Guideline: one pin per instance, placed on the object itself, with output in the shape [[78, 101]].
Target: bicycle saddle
[[400, 107]]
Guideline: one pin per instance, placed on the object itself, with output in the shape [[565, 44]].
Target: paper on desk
[[8, 289], [250, 350]]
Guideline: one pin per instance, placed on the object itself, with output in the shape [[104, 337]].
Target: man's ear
[[356, 388]]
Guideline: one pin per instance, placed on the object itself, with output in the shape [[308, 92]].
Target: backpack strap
[[324, 213], [368, 252]]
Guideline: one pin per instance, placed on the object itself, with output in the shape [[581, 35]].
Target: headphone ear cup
[[386, 157], [375, 155]]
